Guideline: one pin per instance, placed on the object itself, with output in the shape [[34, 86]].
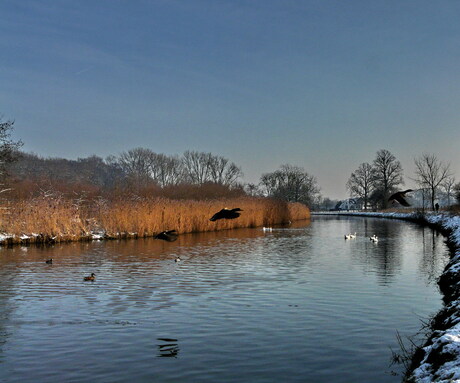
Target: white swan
[[269, 229], [374, 238]]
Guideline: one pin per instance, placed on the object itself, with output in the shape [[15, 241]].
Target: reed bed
[[55, 219]]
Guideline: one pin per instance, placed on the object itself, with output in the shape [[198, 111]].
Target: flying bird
[[400, 197], [226, 214], [167, 235]]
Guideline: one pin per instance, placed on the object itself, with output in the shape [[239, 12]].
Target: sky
[[318, 84]]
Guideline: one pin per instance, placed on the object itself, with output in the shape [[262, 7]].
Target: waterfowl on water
[[167, 235], [350, 236], [49, 261], [269, 229], [92, 277], [400, 197], [177, 259], [374, 238]]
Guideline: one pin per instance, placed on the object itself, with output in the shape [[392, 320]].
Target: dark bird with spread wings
[[400, 197], [226, 214], [168, 235]]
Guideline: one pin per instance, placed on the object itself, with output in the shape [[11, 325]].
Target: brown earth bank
[[49, 219]]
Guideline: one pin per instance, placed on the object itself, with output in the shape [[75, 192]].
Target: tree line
[[203, 175], [374, 182], [143, 172]]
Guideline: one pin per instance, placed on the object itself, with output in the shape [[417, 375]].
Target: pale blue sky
[[318, 84]]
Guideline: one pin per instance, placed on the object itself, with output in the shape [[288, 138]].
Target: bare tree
[[166, 170], [9, 149], [201, 167], [362, 183], [448, 185], [224, 172], [137, 164], [456, 189], [197, 166], [388, 175], [252, 190], [431, 173], [291, 183]]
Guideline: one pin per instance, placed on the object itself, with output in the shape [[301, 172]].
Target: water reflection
[[276, 295], [168, 348], [432, 259], [396, 240]]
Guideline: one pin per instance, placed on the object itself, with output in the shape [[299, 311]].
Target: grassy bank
[[55, 219]]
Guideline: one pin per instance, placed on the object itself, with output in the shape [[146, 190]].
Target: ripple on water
[[241, 306]]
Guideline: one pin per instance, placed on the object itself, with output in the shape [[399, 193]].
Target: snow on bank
[[440, 356], [441, 360]]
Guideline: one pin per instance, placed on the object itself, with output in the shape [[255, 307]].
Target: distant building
[[350, 204]]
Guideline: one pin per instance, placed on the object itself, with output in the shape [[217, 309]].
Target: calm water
[[299, 304]]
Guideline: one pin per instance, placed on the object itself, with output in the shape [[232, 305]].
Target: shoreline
[[438, 359], [46, 222]]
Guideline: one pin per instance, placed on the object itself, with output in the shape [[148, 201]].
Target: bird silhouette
[[49, 261], [226, 214], [400, 197], [167, 235], [92, 277]]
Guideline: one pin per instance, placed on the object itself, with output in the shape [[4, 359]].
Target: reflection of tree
[[431, 263], [388, 255], [384, 257], [6, 302], [396, 242]]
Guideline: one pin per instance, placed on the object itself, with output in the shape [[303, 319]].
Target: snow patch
[[441, 361]]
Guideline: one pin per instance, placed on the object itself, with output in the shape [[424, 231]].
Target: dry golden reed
[[62, 219]]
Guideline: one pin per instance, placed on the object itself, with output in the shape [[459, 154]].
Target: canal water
[[298, 304]]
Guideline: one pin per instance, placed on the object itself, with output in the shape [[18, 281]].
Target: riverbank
[[53, 219], [438, 360]]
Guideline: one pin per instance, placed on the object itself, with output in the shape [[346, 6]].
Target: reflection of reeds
[[63, 219]]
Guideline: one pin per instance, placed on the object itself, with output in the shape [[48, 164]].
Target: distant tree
[[197, 166], [328, 204], [252, 190], [362, 183], [166, 170], [448, 185], [136, 163], [200, 168], [456, 190], [224, 172], [376, 198], [32, 173], [387, 175], [9, 149], [291, 183], [431, 173]]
